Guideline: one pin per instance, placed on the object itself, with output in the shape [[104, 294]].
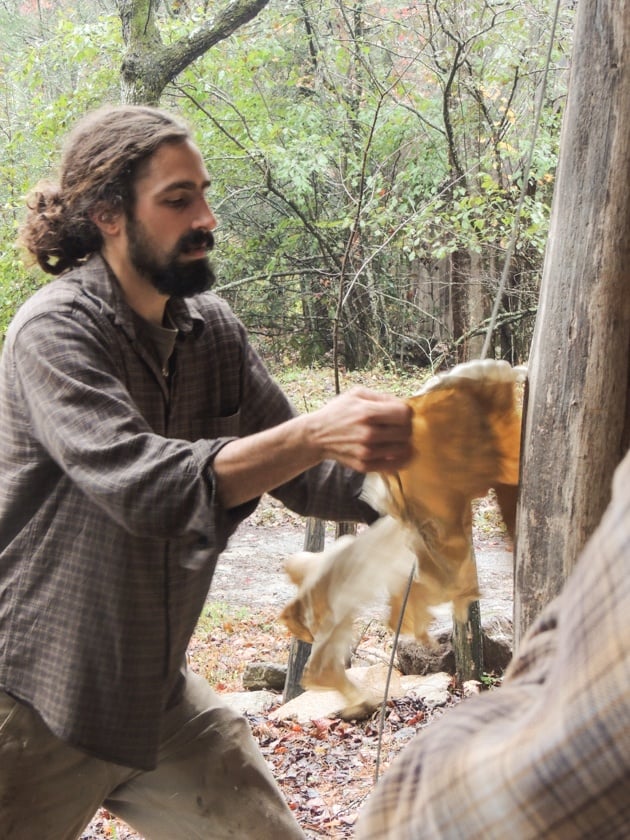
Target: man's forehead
[[185, 184], [175, 166]]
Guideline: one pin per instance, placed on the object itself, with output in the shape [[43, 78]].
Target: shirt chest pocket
[[228, 426], [196, 425]]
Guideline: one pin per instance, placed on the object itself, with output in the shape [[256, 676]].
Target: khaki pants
[[211, 780]]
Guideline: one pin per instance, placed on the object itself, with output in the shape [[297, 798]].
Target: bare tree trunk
[[577, 422], [476, 304], [460, 278]]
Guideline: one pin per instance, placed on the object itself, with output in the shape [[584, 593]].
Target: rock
[[264, 675], [254, 702], [316, 703], [498, 638], [432, 689], [417, 658], [471, 687], [312, 705]]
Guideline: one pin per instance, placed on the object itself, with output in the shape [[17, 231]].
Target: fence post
[[300, 651]]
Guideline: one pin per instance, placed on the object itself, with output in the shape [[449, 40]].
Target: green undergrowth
[[310, 388]]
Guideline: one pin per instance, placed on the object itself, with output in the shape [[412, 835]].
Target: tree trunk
[[476, 304], [460, 283], [467, 639], [577, 421], [300, 651], [358, 328], [149, 65]]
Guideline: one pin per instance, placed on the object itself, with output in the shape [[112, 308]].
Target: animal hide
[[466, 440]]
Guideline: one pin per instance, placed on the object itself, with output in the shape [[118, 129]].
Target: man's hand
[[361, 429], [364, 430]]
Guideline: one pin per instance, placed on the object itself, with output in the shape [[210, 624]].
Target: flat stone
[[315, 704], [432, 689], [252, 702]]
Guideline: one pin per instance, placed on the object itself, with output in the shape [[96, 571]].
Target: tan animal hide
[[466, 440]]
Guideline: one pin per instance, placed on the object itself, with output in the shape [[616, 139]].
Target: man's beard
[[168, 274]]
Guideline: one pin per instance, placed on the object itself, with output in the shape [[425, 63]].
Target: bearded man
[[138, 428]]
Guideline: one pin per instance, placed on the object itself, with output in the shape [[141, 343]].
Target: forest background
[[368, 163], [367, 160]]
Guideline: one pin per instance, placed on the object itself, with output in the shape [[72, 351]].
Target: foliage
[[335, 176], [211, 652], [357, 152], [54, 71]]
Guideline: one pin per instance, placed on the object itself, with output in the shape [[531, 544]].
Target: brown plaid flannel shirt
[[109, 525], [547, 755]]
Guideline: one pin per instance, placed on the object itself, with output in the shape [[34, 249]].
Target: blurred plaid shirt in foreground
[[548, 754]]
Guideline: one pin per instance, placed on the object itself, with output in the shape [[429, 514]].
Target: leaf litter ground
[[326, 768]]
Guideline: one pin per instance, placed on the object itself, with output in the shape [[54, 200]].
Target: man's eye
[[177, 202]]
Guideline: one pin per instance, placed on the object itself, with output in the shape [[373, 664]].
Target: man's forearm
[[248, 467], [362, 430]]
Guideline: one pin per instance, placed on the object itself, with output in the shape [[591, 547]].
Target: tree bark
[[460, 284], [577, 421], [149, 65]]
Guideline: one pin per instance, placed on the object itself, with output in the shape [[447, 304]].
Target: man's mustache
[[194, 240]]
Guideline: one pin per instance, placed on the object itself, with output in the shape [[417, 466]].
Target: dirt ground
[[250, 572], [325, 770]]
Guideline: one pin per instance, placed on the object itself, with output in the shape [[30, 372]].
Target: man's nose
[[205, 218]]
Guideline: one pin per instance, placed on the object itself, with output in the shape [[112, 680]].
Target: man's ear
[[107, 219]]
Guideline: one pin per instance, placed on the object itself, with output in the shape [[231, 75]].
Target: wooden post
[[468, 646], [577, 423], [299, 652], [344, 528], [467, 640]]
